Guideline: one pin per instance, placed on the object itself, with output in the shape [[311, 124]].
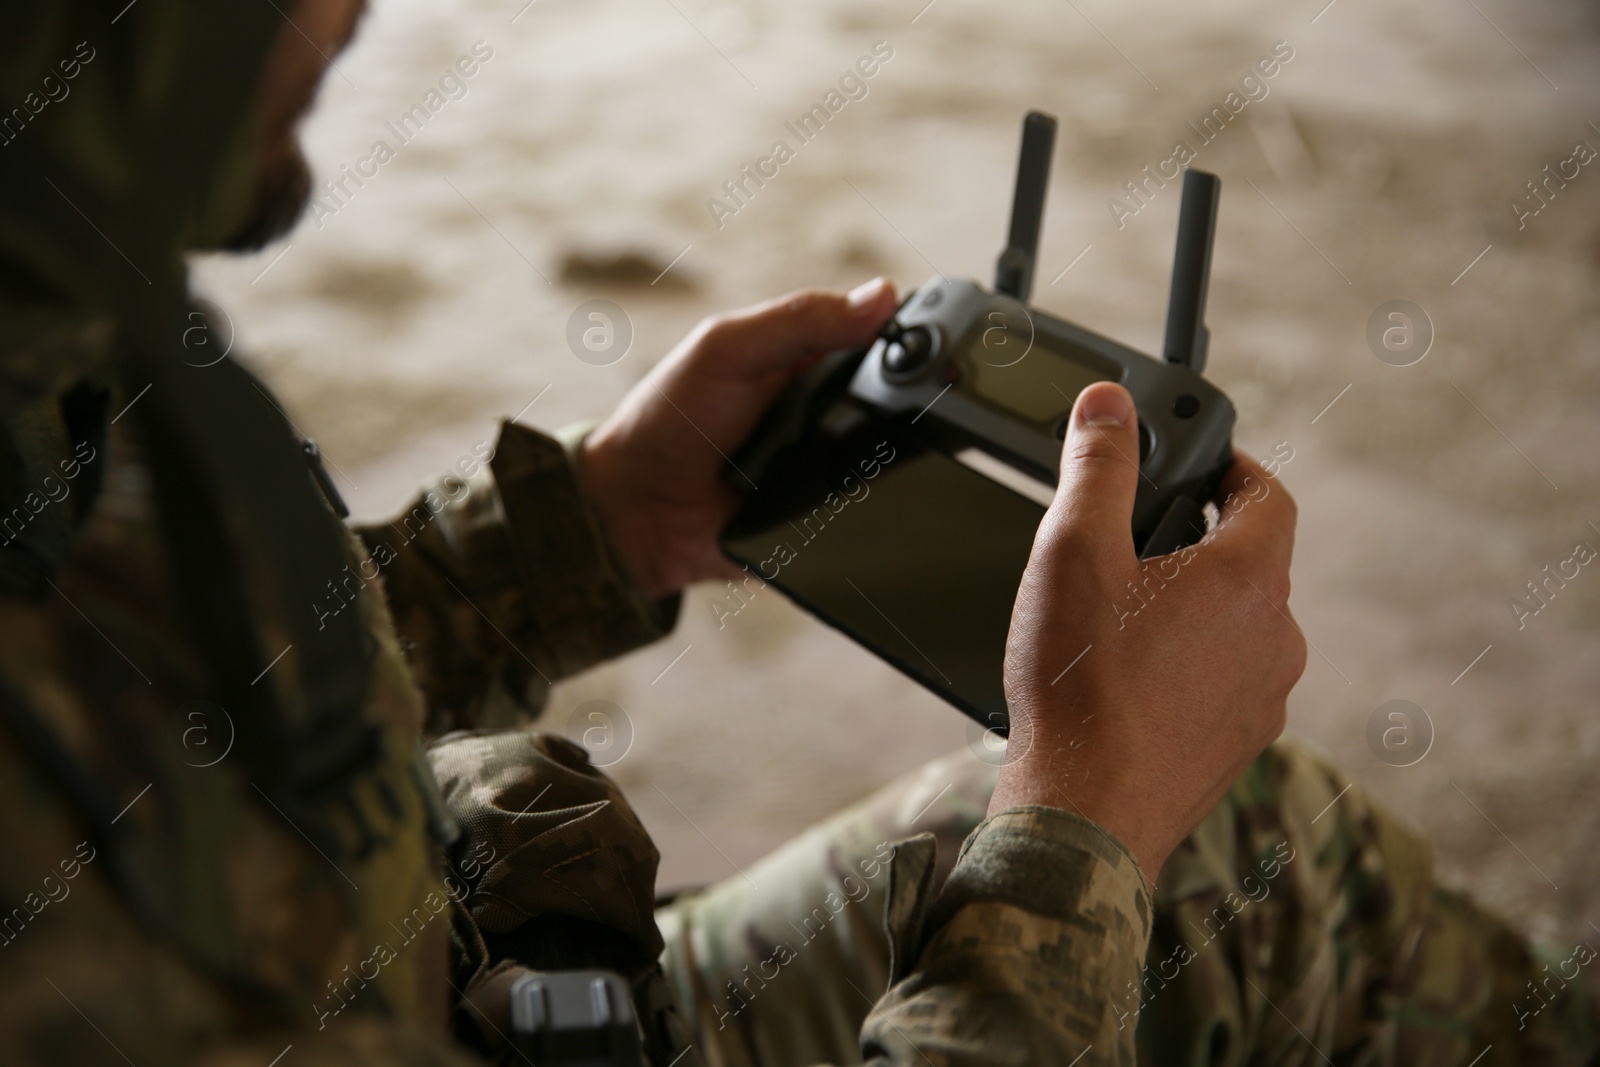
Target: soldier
[[225, 843]]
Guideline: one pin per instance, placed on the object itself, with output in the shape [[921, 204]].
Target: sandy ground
[[1380, 166]]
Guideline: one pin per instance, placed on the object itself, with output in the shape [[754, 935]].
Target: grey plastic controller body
[[979, 370]]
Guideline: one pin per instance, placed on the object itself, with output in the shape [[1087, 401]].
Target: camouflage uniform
[[225, 844], [1296, 925]]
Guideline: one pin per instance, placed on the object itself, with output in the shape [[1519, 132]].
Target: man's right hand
[[1138, 710]]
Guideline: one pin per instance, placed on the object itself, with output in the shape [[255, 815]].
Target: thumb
[[1099, 471]]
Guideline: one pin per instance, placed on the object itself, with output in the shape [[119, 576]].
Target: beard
[[291, 75], [283, 188]]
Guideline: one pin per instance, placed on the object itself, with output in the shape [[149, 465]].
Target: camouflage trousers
[[1299, 924]]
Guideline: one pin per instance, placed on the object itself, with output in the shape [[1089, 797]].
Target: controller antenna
[[1013, 271], [1187, 336]]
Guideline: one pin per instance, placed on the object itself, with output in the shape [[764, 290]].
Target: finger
[[1257, 515], [779, 334], [731, 368], [1093, 505]]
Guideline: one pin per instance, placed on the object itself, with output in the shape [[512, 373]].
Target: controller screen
[[1037, 381]]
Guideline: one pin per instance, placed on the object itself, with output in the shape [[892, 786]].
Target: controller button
[[1186, 406], [1147, 441], [933, 298], [909, 352]]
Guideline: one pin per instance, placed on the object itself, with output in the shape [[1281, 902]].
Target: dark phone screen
[[901, 548]]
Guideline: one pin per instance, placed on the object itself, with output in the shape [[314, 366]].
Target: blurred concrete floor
[[1380, 165]]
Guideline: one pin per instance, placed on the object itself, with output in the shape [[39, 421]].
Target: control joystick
[[906, 351]]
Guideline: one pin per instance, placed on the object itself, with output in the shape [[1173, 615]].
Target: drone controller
[[965, 383]]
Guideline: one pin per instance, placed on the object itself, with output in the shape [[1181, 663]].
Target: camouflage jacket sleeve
[[501, 583], [1026, 955]]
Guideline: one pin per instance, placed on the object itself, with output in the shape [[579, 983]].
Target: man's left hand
[[654, 468]]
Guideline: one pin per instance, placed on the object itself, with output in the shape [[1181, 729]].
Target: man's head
[[313, 32]]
